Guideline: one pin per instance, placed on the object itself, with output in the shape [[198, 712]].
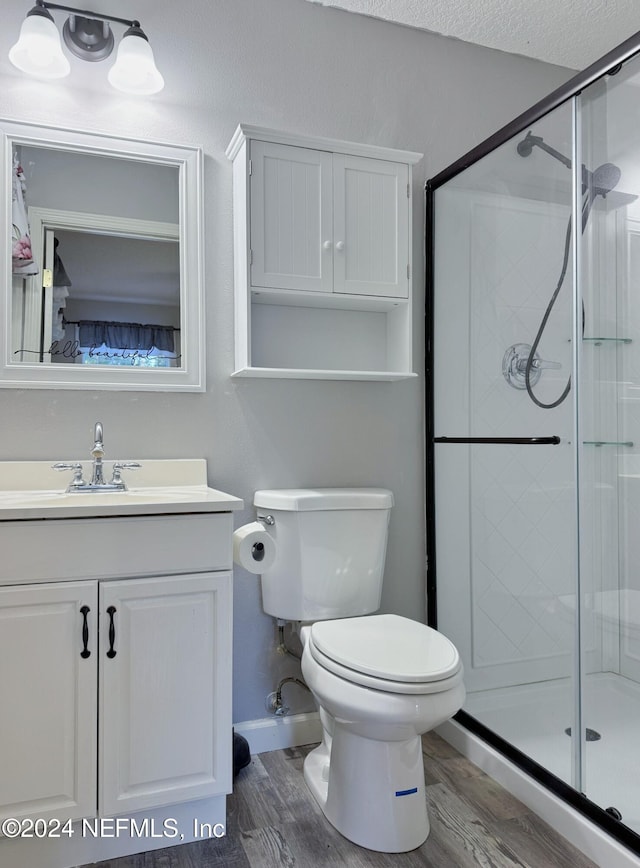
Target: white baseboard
[[276, 733], [574, 826]]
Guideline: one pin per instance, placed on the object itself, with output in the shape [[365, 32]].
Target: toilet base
[[372, 792]]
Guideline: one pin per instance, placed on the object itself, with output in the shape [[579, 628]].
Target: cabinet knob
[[340, 245], [326, 245]]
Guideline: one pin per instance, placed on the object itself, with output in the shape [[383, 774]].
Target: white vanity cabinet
[[115, 664], [323, 264], [159, 649]]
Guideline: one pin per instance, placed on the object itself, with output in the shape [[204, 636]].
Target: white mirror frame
[[190, 376]]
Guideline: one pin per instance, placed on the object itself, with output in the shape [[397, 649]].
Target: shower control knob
[[514, 366], [540, 365]]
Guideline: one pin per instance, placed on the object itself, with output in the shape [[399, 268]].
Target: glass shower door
[[610, 398], [535, 535], [504, 424]]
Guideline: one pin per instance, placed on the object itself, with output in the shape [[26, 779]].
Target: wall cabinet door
[[371, 226], [291, 221], [48, 700], [325, 222], [165, 691]]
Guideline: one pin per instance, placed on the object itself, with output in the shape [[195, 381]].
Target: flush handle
[[84, 611], [111, 653]]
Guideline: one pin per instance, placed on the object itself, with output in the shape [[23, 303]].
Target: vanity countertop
[[33, 490]]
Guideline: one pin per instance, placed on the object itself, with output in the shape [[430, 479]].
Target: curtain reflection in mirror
[[121, 343]]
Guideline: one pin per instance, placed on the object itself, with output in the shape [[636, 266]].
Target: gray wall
[[291, 65]]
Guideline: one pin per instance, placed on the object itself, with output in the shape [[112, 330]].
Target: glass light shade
[[38, 51], [135, 70]]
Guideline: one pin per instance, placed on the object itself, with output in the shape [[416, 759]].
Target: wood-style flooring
[[274, 822]]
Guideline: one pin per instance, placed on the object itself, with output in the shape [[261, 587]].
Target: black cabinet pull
[[111, 653], [84, 611]]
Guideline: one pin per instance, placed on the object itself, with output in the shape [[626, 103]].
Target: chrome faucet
[[97, 483], [97, 477]]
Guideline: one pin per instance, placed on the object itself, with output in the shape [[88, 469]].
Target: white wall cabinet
[[323, 268]]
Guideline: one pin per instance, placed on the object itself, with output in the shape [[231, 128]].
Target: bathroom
[[302, 68]]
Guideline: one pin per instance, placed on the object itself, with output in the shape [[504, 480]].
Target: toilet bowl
[[381, 681]]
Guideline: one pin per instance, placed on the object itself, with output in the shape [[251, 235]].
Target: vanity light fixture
[[38, 51]]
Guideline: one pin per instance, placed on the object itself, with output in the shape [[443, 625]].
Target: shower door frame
[[609, 64]]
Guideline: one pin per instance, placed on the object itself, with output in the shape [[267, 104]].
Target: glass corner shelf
[[607, 442], [598, 341]]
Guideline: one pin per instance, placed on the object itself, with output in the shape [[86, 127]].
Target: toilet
[[380, 681]]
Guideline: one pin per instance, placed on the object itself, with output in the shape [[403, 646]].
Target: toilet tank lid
[[308, 499]]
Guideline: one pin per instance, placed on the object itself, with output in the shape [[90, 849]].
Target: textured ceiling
[[572, 33]]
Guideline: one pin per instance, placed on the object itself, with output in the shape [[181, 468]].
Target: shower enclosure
[[533, 358]]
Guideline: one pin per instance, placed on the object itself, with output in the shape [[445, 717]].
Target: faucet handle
[[77, 471], [118, 466]]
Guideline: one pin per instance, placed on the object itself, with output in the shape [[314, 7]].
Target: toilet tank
[[330, 551]]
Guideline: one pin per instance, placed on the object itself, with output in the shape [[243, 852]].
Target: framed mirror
[[101, 262]]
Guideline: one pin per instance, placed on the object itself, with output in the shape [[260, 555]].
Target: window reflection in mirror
[[104, 262]]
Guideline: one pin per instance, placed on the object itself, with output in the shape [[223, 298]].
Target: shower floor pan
[[534, 718]]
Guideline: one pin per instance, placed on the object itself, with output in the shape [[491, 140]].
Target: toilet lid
[[388, 647]]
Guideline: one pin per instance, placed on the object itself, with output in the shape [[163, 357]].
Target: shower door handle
[[553, 440]]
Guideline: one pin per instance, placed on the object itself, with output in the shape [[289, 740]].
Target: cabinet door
[[371, 226], [165, 691], [291, 223], [48, 693]]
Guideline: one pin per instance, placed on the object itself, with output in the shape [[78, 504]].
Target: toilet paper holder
[[266, 519]]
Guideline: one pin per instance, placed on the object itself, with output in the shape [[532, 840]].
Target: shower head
[[603, 179], [597, 183]]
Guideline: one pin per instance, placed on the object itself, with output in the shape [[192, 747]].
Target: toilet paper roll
[[253, 548]]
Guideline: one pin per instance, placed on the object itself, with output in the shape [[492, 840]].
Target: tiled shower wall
[[509, 603], [627, 605]]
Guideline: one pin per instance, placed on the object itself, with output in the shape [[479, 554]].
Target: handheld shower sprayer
[[600, 182]]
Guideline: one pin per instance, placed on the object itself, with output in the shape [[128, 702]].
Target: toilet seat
[[386, 652]]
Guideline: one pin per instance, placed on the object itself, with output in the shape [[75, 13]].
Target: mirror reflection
[[95, 260]]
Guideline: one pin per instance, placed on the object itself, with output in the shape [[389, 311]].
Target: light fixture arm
[[86, 14]]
